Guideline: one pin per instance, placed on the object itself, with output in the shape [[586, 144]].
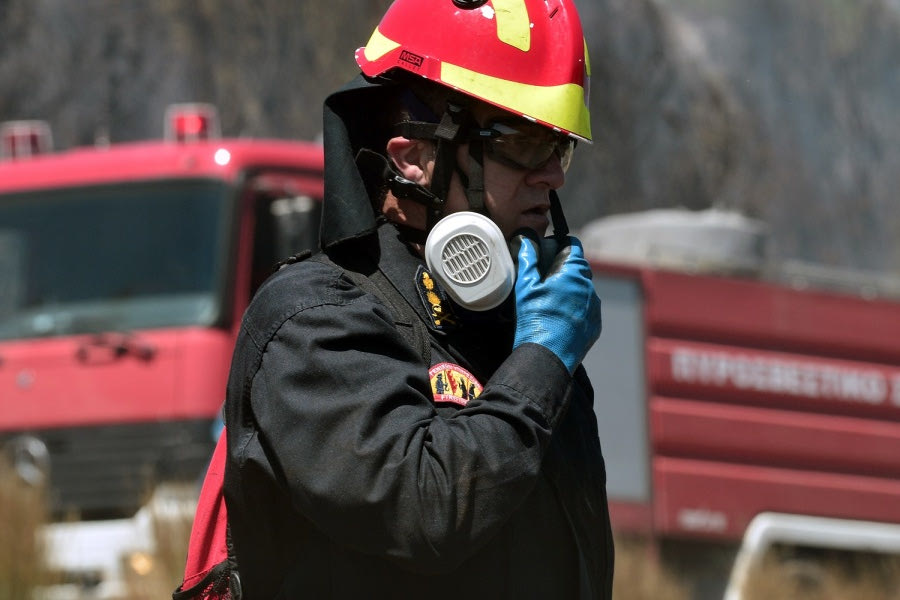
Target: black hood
[[352, 122]]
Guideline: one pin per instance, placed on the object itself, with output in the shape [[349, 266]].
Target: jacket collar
[[347, 211]]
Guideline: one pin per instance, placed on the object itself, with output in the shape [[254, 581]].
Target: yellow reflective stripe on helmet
[[513, 24], [378, 46], [561, 106]]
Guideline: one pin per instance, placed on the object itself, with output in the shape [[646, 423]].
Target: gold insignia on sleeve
[[434, 299]]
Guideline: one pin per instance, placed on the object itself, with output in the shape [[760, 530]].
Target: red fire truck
[[742, 406], [738, 409], [125, 272]]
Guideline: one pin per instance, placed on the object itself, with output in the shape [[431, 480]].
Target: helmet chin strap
[[452, 131], [474, 181]]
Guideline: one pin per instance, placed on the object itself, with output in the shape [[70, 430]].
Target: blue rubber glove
[[558, 308]]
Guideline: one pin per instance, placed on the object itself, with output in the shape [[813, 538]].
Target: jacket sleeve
[[343, 406]]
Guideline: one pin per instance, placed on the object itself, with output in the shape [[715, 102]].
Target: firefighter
[[348, 474]]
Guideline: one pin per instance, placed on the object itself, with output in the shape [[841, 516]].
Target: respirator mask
[[469, 257]]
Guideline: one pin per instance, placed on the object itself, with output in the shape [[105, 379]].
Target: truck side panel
[[765, 398]]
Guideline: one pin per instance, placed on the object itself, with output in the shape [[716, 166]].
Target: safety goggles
[[525, 145]]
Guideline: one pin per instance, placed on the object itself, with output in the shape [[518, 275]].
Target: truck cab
[[126, 270]]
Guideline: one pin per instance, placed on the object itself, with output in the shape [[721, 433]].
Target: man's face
[[515, 197]]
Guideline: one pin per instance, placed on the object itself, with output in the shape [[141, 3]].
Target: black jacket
[[349, 475]]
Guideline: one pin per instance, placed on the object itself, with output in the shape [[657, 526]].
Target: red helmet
[[528, 57]]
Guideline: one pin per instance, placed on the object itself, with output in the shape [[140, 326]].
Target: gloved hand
[[558, 308]]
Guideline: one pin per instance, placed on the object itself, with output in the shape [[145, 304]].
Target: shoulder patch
[[451, 383], [436, 302]]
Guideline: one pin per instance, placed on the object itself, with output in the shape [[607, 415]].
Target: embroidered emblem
[[452, 383], [435, 299]]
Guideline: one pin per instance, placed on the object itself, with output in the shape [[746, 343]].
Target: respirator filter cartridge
[[469, 257]]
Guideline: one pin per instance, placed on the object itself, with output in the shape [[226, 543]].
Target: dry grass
[[22, 511], [863, 577], [785, 575], [640, 575], [157, 576]]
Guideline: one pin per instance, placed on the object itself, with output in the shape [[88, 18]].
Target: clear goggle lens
[[526, 145]]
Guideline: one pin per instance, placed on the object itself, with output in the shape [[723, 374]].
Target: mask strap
[[376, 169], [444, 136], [454, 128]]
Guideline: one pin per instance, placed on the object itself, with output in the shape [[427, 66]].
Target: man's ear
[[411, 158]]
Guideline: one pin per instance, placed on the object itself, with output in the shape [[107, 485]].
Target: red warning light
[[191, 122], [22, 139]]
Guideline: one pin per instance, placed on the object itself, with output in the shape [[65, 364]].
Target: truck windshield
[[118, 257]]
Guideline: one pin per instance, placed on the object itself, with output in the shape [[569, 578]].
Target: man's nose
[[550, 174]]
